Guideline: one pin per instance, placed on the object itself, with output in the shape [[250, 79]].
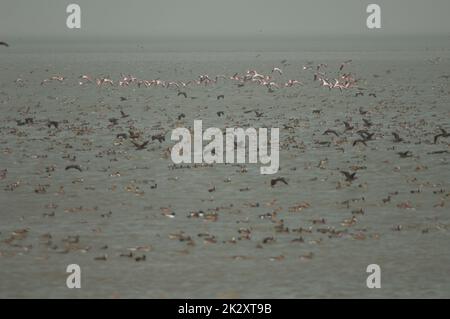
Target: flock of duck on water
[[275, 79]]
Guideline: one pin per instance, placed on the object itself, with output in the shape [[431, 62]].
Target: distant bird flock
[[272, 81]]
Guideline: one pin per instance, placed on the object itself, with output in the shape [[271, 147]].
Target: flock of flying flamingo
[[271, 81]]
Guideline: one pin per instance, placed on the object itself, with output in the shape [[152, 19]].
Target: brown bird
[[348, 126], [159, 137], [52, 123], [102, 257], [113, 121], [397, 138], [3, 173], [140, 146], [349, 177], [274, 181], [140, 258], [134, 134]]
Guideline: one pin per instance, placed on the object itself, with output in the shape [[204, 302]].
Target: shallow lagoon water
[[112, 206]]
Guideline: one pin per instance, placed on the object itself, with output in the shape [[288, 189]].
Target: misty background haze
[[19, 18]]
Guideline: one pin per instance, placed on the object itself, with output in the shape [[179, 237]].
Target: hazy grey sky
[[221, 17]]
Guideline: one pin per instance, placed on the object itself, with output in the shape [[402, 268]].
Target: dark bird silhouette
[[140, 258], [387, 199], [443, 134], [220, 113], [372, 94], [140, 146], [438, 152], [4, 44], [129, 255], [316, 77], [404, 154], [348, 126], [328, 131], [349, 177], [274, 181], [359, 94], [258, 114], [397, 138], [182, 93], [182, 115], [113, 121], [366, 135], [122, 98], [3, 173], [122, 113], [159, 137], [52, 123], [220, 97], [73, 166], [28, 120], [343, 64], [134, 134]]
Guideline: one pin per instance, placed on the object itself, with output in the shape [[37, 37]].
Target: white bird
[[53, 78], [172, 83], [291, 83], [277, 70], [102, 81]]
